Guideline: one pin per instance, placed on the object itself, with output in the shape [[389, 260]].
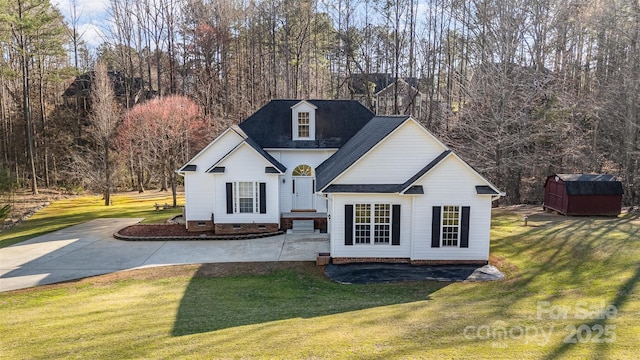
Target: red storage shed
[[583, 194]]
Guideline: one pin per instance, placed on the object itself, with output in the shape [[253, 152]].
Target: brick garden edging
[[119, 236]]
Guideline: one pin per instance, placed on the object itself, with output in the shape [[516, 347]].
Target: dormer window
[[303, 121], [303, 124]]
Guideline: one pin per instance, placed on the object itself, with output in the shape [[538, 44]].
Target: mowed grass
[[571, 292], [64, 213]]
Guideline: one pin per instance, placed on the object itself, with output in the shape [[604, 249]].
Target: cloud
[[87, 10], [93, 17], [91, 34]]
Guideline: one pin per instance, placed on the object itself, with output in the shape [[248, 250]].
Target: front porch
[[319, 219]]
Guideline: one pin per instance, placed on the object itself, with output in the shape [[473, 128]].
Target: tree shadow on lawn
[[574, 254], [221, 296]]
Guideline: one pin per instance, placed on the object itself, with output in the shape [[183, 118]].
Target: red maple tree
[[164, 132]]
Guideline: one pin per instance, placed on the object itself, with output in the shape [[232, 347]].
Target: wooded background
[[519, 88]]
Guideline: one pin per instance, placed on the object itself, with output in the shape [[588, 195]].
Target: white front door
[[303, 193]]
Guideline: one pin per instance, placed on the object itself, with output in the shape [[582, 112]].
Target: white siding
[[339, 249], [216, 150], [291, 159], [303, 106], [452, 183], [395, 160], [199, 196], [199, 185], [245, 164]]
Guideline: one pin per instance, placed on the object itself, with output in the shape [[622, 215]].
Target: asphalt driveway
[[89, 249]]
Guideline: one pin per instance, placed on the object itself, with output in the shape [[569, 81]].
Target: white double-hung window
[[246, 198], [372, 223], [450, 225]]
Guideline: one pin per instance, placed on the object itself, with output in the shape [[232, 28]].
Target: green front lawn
[[76, 210], [571, 292]]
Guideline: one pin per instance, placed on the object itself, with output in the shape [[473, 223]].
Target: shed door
[[557, 195]]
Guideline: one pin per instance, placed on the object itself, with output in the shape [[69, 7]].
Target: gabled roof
[[360, 83], [304, 102], [204, 150], [403, 86], [488, 189], [82, 84], [590, 184], [425, 170], [336, 122], [369, 136], [251, 143], [586, 177], [366, 139]]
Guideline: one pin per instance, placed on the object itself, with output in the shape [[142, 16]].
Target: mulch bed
[[142, 230], [163, 232]]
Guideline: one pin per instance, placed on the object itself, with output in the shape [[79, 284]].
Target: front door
[[303, 193]]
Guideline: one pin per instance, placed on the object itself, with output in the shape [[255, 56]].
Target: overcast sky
[[92, 19]]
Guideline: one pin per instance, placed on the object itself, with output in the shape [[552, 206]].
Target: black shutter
[[464, 228], [435, 227], [348, 224], [229, 198], [395, 225], [263, 198]]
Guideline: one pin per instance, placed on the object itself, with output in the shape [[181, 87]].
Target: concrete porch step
[[303, 227]]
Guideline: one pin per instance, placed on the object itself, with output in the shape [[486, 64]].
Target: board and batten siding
[[291, 159], [200, 194], [396, 159], [337, 227], [451, 183], [245, 164]]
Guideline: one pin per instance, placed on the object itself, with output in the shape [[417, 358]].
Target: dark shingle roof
[[485, 190], [371, 134], [358, 83], [336, 122], [591, 184], [249, 141], [415, 190], [363, 188], [81, 86], [266, 155], [188, 168]]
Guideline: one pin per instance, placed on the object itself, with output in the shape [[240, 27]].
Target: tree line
[[521, 89]]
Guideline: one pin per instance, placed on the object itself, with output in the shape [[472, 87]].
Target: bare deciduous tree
[[105, 117]]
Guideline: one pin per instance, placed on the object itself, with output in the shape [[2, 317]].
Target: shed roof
[[336, 122], [590, 184]]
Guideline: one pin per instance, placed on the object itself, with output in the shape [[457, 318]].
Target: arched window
[[303, 170]]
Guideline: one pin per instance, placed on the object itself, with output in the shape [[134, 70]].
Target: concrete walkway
[[89, 249]]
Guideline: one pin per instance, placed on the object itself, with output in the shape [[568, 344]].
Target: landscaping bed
[[177, 232]]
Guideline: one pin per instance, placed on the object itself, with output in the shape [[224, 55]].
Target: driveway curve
[[89, 249]]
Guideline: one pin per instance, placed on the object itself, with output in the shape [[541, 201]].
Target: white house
[[383, 187]]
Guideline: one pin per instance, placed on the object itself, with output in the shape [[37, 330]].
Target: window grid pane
[[450, 225], [363, 224], [245, 197], [303, 124], [382, 221]]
